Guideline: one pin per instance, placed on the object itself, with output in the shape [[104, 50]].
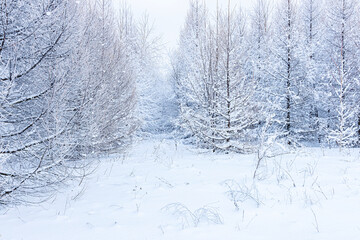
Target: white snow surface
[[164, 190]]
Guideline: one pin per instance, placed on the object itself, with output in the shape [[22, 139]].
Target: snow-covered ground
[[161, 190]]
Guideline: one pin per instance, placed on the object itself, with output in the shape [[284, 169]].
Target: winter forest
[[250, 127], [289, 73]]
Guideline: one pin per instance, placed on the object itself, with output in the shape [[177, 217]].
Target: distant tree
[[312, 86], [343, 72], [260, 39], [214, 85], [237, 108], [286, 72], [193, 74], [107, 81]]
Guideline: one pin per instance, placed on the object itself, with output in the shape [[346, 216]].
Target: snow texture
[[167, 190]]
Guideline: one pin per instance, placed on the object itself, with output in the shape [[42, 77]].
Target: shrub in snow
[[190, 218]]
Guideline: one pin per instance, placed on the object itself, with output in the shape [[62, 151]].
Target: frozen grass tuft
[[190, 218]]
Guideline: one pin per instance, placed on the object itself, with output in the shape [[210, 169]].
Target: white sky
[[169, 15]]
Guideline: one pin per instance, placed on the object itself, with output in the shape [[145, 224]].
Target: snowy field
[[161, 190]]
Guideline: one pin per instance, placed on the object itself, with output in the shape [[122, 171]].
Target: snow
[[140, 195]]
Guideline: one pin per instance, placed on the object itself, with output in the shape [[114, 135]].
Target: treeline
[[288, 72], [68, 71]]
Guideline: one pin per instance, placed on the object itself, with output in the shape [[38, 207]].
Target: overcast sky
[[169, 15]]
